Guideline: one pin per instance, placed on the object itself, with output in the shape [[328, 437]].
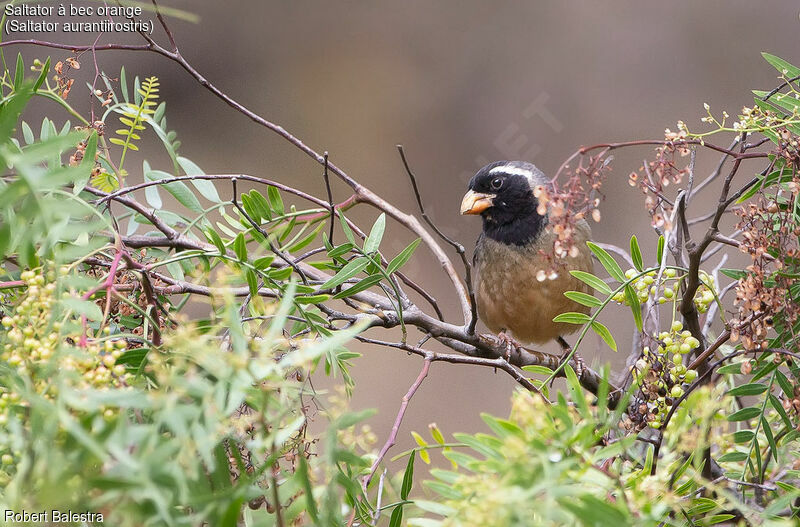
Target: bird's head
[[502, 193]]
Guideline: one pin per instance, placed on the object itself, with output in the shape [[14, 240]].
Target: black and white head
[[502, 193]]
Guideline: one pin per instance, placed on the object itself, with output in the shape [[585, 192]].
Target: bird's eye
[[496, 183]]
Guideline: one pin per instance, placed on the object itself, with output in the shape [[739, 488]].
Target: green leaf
[[770, 438], [252, 281], [177, 188], [84, 307], [373, 241], [260, 204], [408, 476], [403, 257], [782, 175], [214, 238], [263, 262], [735, 274], [364, 284], [748, 389], [478, 446], [352, 268], [281, 274], [583, 299], [396, 520], [340, 250], [19, 75], [745, 414], [541, 370], [660, 249], [636, 254], [572, 318], [785, 69], [275, 200], [253, 212], [346, 229], [784, 383], [205, 187], [436, 434], [434, 507], [458, 458], [592, 281], [743, 436], [576, 392], [608, 262], [5, 239], [240, 247], [633, 301], [732, 369], [312, 299], [423, 453], [732, 456], [717, 518], [11, 111], [305, 480], [27, 133], [443, 489], [123, 84], [42, 75], [605, 334], [776, 404], [305, 242]]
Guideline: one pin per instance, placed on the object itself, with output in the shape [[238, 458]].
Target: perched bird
[[516, 299]]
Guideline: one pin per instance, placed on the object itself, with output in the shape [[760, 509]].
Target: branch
[[392, 439]]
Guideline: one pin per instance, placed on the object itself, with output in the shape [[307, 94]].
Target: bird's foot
[[511, 344], [580, 366]]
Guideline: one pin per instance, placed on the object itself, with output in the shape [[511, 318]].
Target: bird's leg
[[580, 366]]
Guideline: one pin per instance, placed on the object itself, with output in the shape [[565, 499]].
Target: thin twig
[[392, 439], [330, 196], [457, 246]]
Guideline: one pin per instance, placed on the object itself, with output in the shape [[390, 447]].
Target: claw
[[580, 366], [511, 344]]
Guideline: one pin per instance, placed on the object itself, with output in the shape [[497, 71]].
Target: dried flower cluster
[[770, 237], [572, 202], [61, 77], [654, 176]]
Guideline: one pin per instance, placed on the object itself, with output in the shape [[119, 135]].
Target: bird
[[517, 294]]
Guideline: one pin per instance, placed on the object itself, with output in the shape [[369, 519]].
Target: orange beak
[[476, 202]]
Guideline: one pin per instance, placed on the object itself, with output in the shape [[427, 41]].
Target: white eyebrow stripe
[[512, 171]]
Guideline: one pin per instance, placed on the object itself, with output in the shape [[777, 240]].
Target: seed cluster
[[35, 340], [646, 287], [662, 375]]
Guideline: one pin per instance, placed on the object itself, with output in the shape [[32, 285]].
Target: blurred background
[[459, 84]]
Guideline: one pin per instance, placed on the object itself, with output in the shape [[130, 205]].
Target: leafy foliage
[[112, 400]]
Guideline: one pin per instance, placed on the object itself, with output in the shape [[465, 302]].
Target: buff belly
[[511, 297]]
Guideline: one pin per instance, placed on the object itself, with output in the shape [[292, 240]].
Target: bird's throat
[[517, 229]]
